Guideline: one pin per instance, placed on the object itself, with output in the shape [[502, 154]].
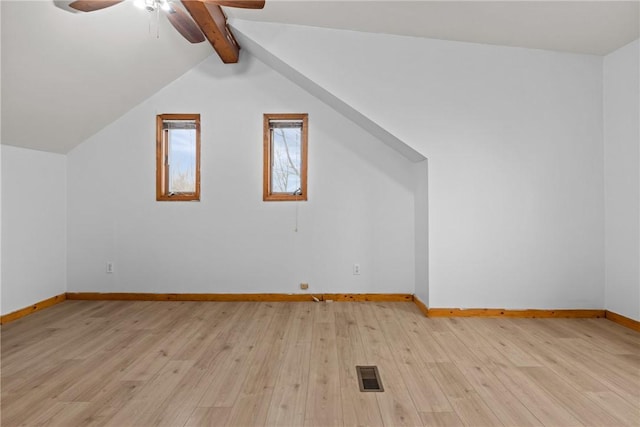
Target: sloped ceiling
[[592, 27], [65, 76]]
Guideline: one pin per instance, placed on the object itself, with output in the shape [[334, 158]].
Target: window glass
[[286, 160]]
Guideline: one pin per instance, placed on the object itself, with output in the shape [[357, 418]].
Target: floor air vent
[[369, 378]]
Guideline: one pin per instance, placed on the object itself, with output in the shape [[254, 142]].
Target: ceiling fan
[[204, 20]]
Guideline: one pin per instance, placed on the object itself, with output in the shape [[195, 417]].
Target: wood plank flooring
[[141, 363]]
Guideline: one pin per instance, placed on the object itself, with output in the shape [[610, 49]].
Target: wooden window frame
[[162, 177], [267, 194]]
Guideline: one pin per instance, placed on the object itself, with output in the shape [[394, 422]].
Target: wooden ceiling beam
[[213, 23]]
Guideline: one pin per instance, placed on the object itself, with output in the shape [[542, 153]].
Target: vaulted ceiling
[[65, 76], [592, 27]]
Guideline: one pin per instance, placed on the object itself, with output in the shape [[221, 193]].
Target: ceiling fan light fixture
[[164, 5]]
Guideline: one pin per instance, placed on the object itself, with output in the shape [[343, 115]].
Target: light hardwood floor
[[293, 364]]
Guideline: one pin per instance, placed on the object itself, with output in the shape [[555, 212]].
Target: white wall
[[1, 311], [34, 206], [515, 188], [622, 180], [514, 142], [421, 212], [360, 207]]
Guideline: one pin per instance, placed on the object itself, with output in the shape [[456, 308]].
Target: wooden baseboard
[[429, 312], [529, 313], [622, 320], [6, 318], [498, 312], [126, 296], [132, 296], [421, 306], [368, 297]]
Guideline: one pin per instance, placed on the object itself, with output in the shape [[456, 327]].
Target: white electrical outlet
[[109, 267], [356, 269]]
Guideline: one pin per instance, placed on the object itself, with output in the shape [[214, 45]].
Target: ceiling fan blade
[[244, 4], [91, 5], [183, 23]]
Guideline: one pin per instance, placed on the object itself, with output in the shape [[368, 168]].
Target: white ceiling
[[592, 27], [65, 76]]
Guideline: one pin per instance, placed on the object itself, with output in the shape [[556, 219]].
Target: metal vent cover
[[369, 378]]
